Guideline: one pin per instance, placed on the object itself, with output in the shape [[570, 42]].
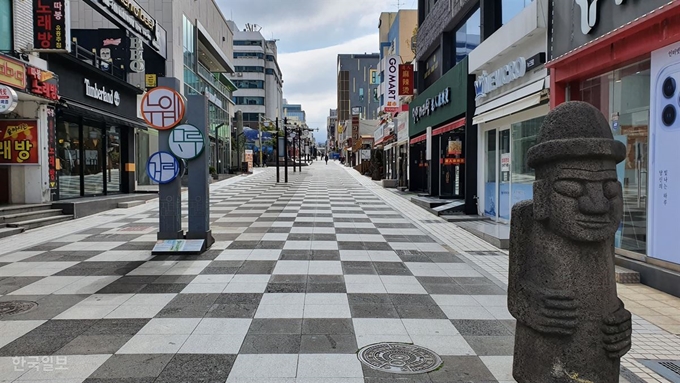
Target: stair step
[[27, 216], [8, 231], [40, 222], [624, 275], [129, 204], [16, 209]]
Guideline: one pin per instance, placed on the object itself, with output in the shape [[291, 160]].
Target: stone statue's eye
[[611, 189], [572, 189]]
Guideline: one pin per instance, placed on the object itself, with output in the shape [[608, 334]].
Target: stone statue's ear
[[541, 199]]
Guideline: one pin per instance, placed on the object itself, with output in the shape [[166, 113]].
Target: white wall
[[29, 183]]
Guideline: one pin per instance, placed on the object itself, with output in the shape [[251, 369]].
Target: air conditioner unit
[[240, 74]]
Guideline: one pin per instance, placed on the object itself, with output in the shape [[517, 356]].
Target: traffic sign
[[162, 167], [163, 108], [186, 141]]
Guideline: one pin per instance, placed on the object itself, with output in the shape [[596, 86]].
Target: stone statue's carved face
[[585, 200]]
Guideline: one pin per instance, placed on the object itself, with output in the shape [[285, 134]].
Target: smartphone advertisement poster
[[664, 158]]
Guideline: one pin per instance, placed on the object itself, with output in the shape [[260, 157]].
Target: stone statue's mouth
[[591, 223]]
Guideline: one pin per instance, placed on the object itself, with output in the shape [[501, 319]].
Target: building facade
[[511, 85], [357, 93], [397, 31], [257, 75], [443, 136], [624, 64], [331, 128]]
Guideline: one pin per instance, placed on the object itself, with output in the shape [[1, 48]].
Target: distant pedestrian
[[326, 158]]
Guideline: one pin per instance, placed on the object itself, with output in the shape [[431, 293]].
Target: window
[[249, 69], [249, 100], [188, 43], [248, 55], [6, 39], [270, 58], [468, 36], [511, 8], [257, 43], [249, 84], [361, 94]]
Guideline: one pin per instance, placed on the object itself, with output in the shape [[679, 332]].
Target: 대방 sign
[[51, 25], [19, 142]]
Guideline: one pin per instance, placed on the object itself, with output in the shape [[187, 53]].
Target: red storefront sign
[[50, 25], [453, 161], [42, 83], [19, 142], [12, 73], [405, 80]]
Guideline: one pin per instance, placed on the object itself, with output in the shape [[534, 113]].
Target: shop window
[[249, 100], [511, 8], [188, 42], [467, 37], [623, 97], [6, 37], [113, 160], [524, 135], [68, 159]]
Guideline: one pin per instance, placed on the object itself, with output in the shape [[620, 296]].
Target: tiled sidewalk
[[656, 316], [301, 276]]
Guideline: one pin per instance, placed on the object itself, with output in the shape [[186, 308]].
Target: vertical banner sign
[[249, 160], [428, 144], [392, 84], [52, 148], [663, 189], [51, 25], [406, 80], [19, 142]]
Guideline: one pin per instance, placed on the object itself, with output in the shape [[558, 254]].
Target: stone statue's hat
[[575, 130]]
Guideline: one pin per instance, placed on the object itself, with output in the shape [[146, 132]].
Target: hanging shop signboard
[[52, 160], [12, 73], [19, 142], [9, 99], [431, 105], [51, 25], [101, 93], [392, 84], [42, 83], [405, 80]]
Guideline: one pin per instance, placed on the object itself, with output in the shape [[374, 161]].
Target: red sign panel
[[50, 26], [405, 80], [453, 161], [19, 142], [52, 147], [42, 83]]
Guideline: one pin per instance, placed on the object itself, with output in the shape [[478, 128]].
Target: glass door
[[113, 160], [504, 174], [93, 177], [490, 176]]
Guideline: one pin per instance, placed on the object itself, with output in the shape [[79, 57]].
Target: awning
[[98, 114], [513, 102]]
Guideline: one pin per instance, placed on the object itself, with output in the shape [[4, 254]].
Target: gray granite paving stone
[[197, 368], [276, 326], [257, 267], [231, 310], [328, 344], [10, 284], [286, 288], [373, 311], [188, 306], [491, 345], [94, 345], [132, 366], [358, 268], [49, 306], [473, 327], [420, 312], [337, 326], [271, 344], [462, 369]]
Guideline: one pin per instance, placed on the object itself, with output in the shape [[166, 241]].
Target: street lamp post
[[276, 137], [285, 149], [299, 137]]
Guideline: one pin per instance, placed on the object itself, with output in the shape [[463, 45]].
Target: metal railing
[[210, 77], [96, 61]]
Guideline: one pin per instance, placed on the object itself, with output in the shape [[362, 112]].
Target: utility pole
[[285, 149], [300, 147], [295, 132], [278, 177]]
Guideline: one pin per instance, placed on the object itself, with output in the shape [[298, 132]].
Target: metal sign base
[[179, 246]]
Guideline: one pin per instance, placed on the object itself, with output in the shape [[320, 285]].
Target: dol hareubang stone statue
[[571, 326]]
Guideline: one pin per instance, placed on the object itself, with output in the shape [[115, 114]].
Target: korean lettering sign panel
[[51, 25], [19, 142], [405, 79]]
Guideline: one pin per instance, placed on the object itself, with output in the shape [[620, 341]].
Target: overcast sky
[[311, 34]]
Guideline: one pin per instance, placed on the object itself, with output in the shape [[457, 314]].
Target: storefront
[[28, 93], [95, 130], [402, 162], [611, 63], [511, 101], [442, 109]]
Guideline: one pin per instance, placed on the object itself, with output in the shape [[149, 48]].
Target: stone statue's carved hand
[[617, 329], [555, 312]]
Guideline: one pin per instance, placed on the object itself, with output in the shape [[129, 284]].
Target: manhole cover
[[16, 307], [399, 358]]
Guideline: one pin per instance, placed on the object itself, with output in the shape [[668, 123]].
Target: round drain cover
[[399, 358], [16, 307]]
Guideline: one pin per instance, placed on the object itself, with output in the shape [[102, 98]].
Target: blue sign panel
[[162, 167]]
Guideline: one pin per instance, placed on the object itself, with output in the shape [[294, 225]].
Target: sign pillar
[[169, 194], [199, 190]]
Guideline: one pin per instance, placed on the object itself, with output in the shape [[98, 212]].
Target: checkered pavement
[[301, 276]]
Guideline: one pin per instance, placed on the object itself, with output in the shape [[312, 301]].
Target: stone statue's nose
[[593, 201]]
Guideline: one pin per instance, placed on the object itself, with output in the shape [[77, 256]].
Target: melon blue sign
[[162, 167]]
